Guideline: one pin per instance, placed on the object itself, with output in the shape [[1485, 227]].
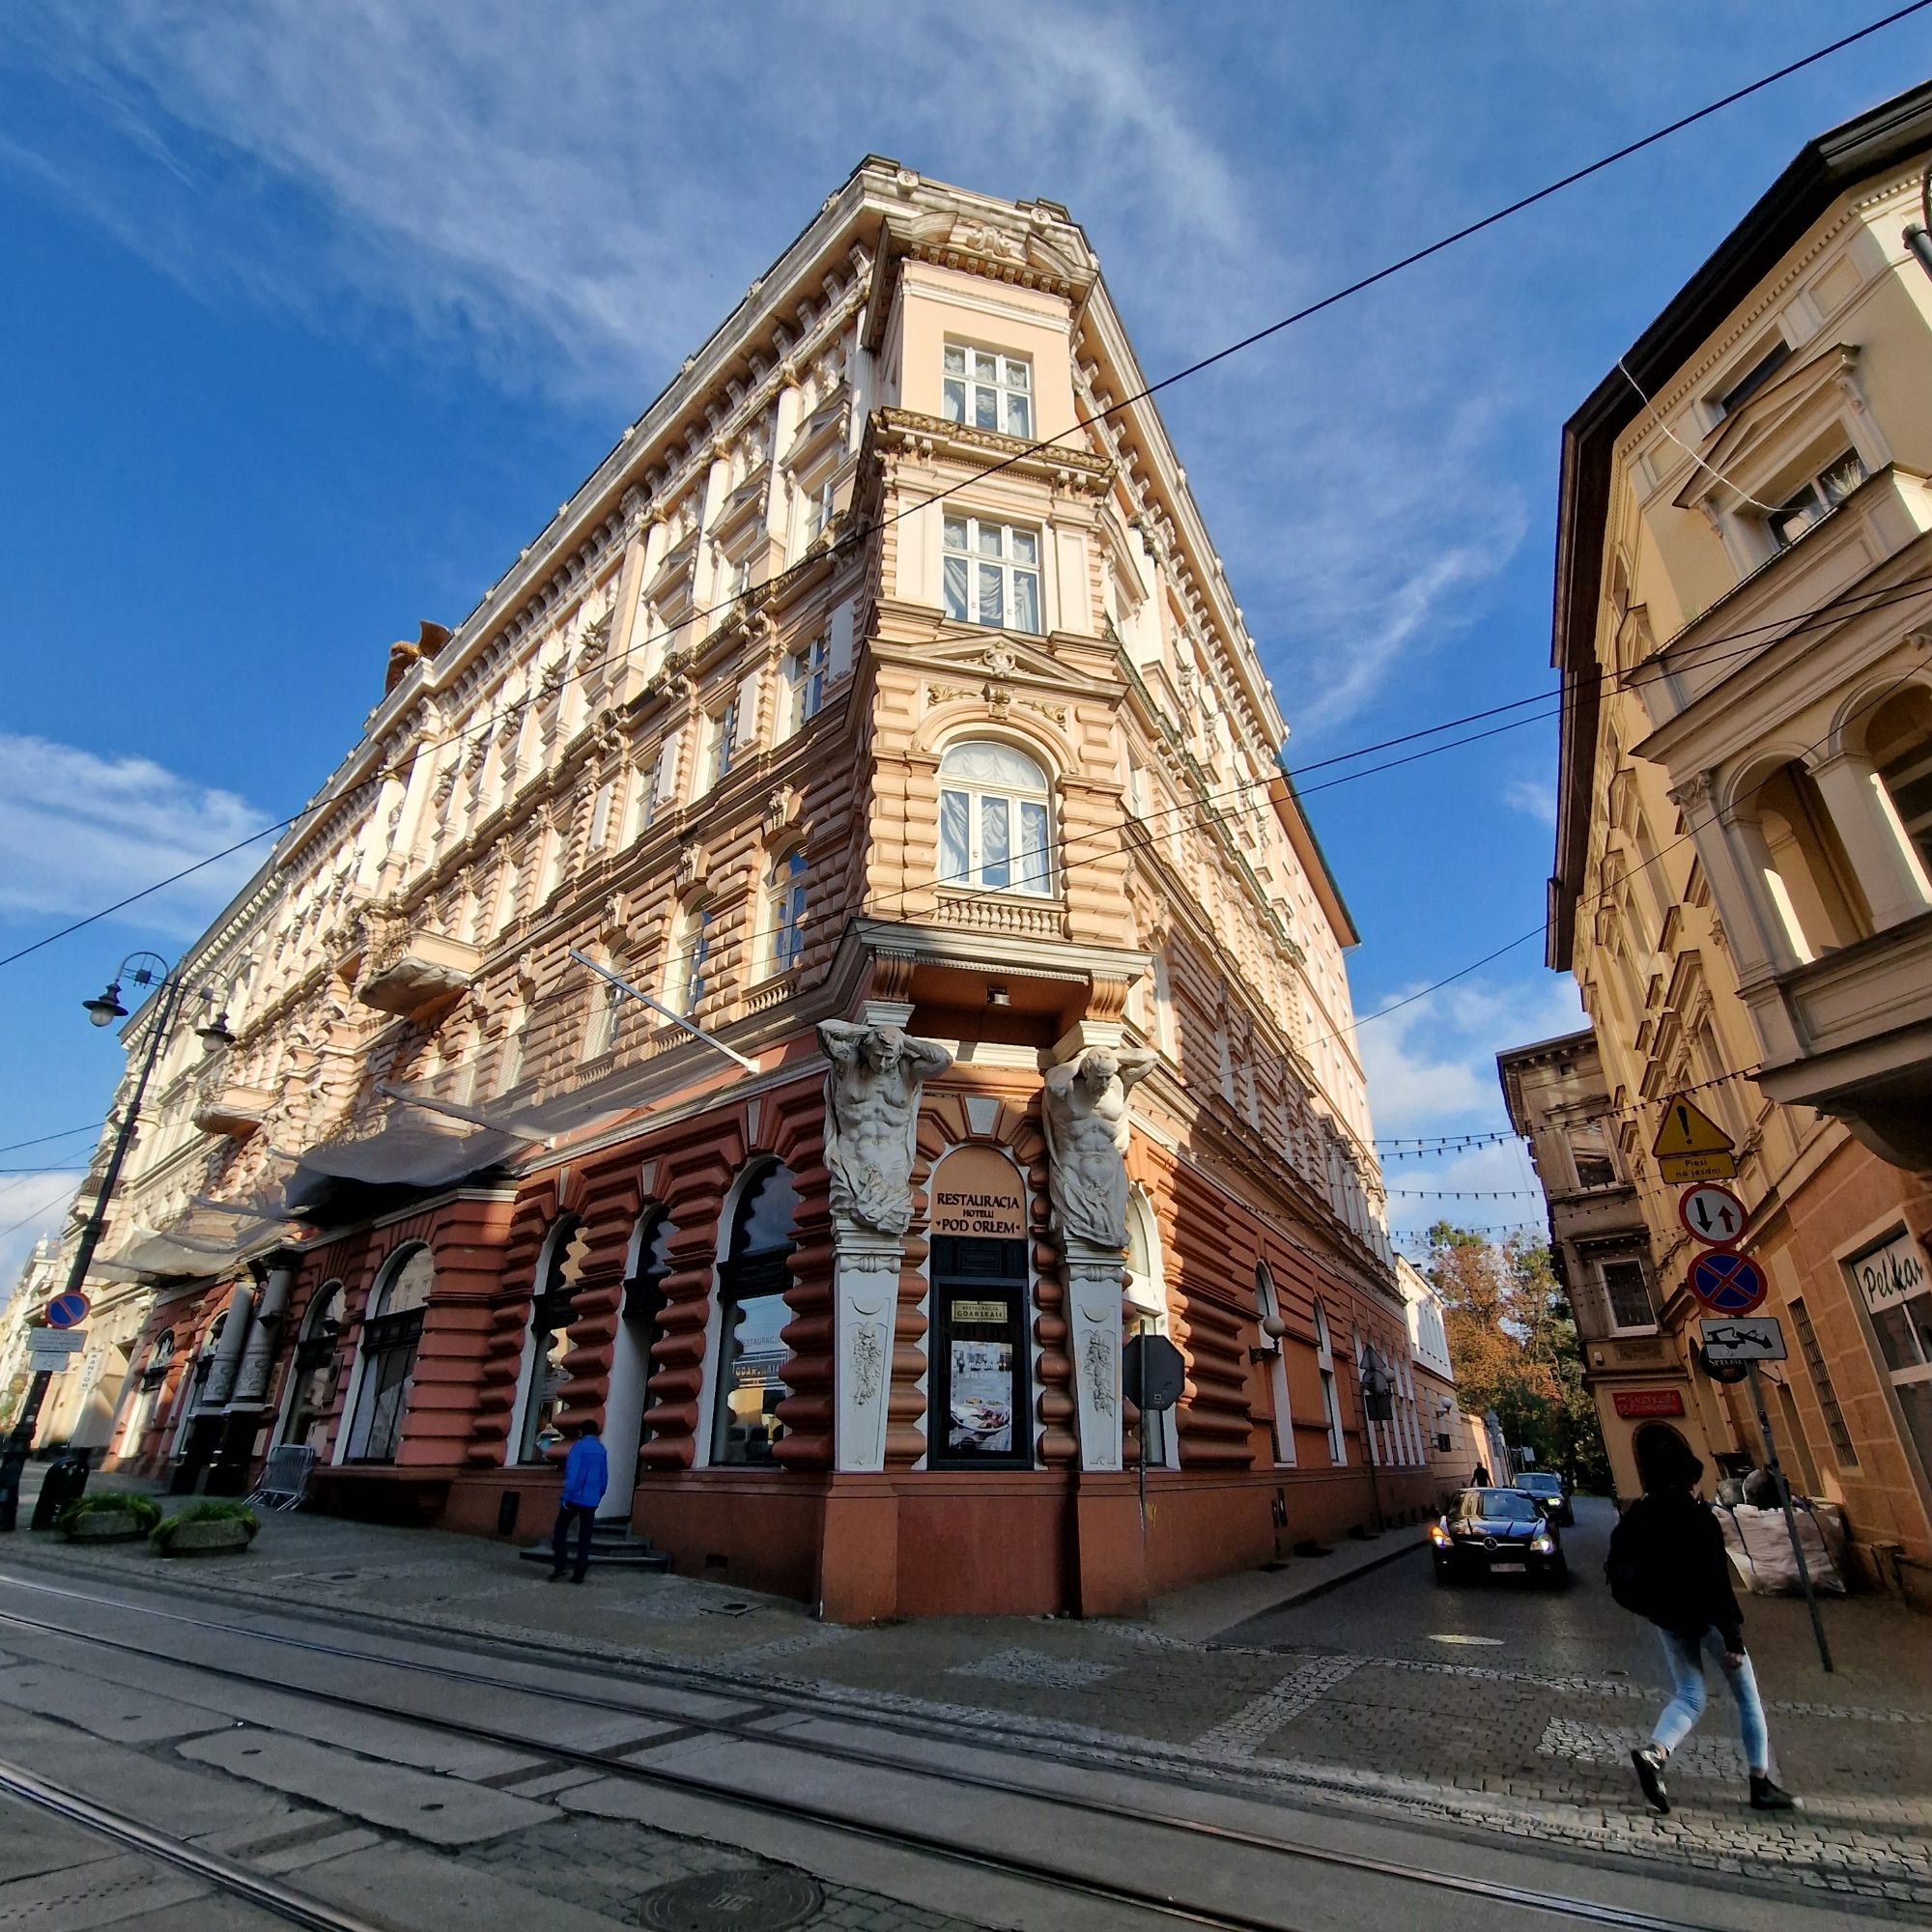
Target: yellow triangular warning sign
[[1686, 1129]]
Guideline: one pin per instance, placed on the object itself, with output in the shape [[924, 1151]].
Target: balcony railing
[[1004, 913]]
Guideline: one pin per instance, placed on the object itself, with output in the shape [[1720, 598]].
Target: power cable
[[1410, 260], [34, 1212], [65, 1133]]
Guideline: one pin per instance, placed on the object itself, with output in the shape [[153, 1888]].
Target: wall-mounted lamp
[[1274, 1329], [998, 996]]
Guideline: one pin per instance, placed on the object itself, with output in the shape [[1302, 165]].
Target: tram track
[[1506, 1898]]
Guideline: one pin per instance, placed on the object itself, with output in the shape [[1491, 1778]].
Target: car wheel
[[1557, 1575], [1445, 1574]]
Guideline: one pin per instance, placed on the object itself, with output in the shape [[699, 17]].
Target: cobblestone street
[[1495, 1708]]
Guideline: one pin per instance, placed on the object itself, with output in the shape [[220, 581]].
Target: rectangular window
[[723, 743], [1813, 1358], [1627, 1293], [662, 797], [987, 390], [1590, 1150], [785, 915], [1753, 380], [1817, 500], [980, 1315], [993, 575], [804, 683], [823, 507], [600, 814]]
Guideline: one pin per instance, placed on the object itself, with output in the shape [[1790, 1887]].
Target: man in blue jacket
[[586, 1474]]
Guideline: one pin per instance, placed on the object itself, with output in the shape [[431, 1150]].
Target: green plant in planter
[[163, 1533], [110, 1502]]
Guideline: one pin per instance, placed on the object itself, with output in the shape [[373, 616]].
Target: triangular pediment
[[1002, 657]]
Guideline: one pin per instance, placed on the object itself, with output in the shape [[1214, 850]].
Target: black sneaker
[[1765, 1796], [1649, 1763]]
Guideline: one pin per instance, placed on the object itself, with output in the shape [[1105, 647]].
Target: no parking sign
[[1727, 1284]]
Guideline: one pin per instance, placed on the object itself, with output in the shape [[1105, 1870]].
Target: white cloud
[[1535, 798], [38, 1201], [81, 831]]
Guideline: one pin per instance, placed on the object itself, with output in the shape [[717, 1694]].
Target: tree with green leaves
[[1513, 1342]]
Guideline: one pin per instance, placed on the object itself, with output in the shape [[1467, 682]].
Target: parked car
[[1497, 1532], [1548, 1489]]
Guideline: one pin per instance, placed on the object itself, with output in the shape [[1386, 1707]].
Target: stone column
[[1093, 1290], [865, 1300], [221, 1371], [258, 1354], [1866, 822]]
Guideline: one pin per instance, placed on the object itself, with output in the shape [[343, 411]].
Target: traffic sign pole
[[1790, 1515]]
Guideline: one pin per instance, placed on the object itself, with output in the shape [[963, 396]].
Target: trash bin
[[64, 1483]]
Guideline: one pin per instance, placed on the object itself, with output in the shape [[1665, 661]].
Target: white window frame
[[723, 746], [602, 806], [785, 890], [1268, 1303], [963, 384], [805, 671], [1598, 1264], [962, 542], [690, 947], [1331, 1393], [1038, 884], [1823, 500]]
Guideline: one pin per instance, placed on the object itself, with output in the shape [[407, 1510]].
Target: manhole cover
[[733, 1901]]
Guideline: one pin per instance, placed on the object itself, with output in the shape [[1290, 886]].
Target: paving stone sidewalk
[[1498, 1711]]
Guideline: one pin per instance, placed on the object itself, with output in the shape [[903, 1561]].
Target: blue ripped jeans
[[1686, 1660]]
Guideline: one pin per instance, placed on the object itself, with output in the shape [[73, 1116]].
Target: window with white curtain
[[804, 683], [993, 819], [988, 390], [687, 970], [992, 574], [784, 913]]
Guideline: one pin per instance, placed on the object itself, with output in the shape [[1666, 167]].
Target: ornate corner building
[[879, 709], [1744, 853]]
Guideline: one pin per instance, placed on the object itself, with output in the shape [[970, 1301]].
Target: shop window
[[1899, 741], [993, 819], [987, 390], [1273, 1329], [315, 1369], [1895, 1285], [1820, 1376], [752, 1316], [390, 1336], [981, 1379], [1331, 1401], [1625, 1286], [991, 573], [540, 1420]]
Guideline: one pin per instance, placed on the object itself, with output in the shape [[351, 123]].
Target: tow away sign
[[1750, 1338], [1691, 1146]]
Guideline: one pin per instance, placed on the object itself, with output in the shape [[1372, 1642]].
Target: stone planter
[[106, 1526], [208, 1538]]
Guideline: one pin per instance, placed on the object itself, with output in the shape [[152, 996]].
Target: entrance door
[[981, 1406]]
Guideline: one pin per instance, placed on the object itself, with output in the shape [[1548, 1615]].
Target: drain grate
[[760, 1900]]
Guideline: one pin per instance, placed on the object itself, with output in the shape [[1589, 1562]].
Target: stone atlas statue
[[871, 1119], [1085, 1114]]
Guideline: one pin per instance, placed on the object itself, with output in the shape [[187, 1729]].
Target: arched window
[[141, 1411], [1804, 870], [1331, 1401], [1146, 1296], [628, 1400], [1269, 1319], [313, 1372], [390, 1335], [1899, 741], [539, 1414], [752, 1311], [784, 913], [688, 969], [993, 819]]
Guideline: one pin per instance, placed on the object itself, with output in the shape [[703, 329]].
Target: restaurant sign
[[1893, 1273], [1634, 1403], [976, 1193]]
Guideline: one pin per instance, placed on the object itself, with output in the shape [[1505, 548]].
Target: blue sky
[[326, 308]]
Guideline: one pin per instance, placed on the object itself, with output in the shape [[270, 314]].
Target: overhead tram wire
[[1249, 341], [41, 1140]]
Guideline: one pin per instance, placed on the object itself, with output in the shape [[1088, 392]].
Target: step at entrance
[[612, 1547]]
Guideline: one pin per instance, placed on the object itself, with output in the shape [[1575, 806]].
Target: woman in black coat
[[1668, 1563]]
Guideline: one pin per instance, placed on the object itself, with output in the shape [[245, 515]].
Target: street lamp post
[[142, 969]]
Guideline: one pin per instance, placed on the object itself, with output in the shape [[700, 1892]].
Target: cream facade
[[882, 675], [1745, 626], [1447, 1446]]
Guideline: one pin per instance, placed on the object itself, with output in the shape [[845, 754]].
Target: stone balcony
[[1850, 1033], [989, 912], [226, 1107], [408, 971]]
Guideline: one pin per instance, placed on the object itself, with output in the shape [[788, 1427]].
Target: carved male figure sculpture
[[871, 1119], [1085, 1114]]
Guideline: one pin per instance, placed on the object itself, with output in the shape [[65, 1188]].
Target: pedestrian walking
[[1667, 1564], [587, 1475], [1480, 1479]]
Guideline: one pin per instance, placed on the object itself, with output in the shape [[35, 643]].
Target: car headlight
[[1544, 1546], [1438, 1536]]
